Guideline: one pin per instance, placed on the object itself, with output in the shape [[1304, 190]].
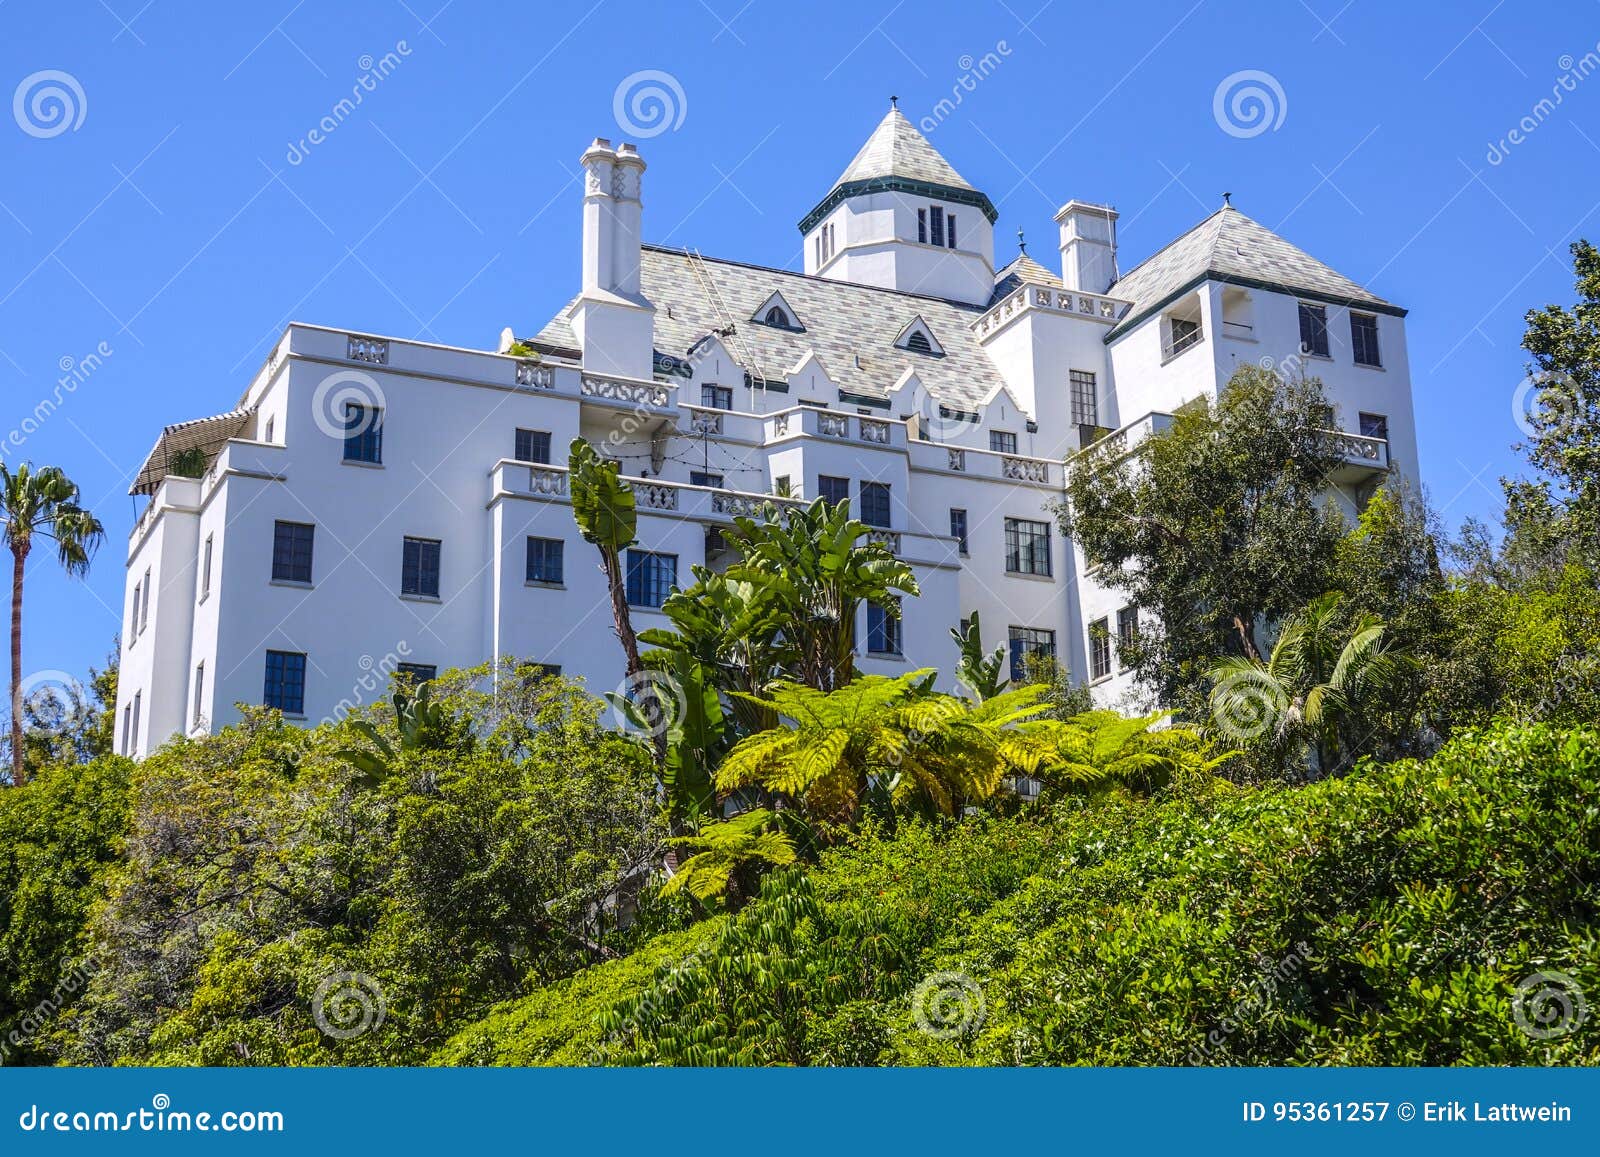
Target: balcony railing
[[1238, 329], [626, 390], [1180, 344]]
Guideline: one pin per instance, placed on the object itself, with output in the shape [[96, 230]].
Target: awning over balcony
[[206, 435]]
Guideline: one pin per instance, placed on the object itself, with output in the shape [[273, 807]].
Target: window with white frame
[[1085, 403]]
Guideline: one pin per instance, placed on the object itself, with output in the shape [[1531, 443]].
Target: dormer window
[[917, 338], [918, 342], [776, 316], [778, 313]]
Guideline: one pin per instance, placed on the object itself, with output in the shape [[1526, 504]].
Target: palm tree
[[1100, 747], [44, 503], [913, 744], [1307, 697]]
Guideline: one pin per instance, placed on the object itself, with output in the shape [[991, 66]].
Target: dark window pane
[[1313, 329], [1127, 627], [286, 682], [419, 567], [363, 433], [1099, 649], [950, 230], [1026, 642], [533, 446], [418, 673], [1364, 339], [936, 221], [1374, 426], [875, 503], [1027, 546], [958, 528], [1002, 441], [1085, 407], [651, 577], [883, 630], [833, 490], [720, 397], [545, 560], [922, 225], [291, 551], [705, 478]]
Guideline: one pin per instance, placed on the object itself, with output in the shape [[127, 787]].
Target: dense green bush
[[1382, 918]]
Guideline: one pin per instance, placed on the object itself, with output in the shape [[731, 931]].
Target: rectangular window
[[1026, 643], [958, 528], [291, 551], [127, 727], [138, 702], [781, 486], [199, 690], [1027, 547], [651, 577], [1375, 426], [833, 490], [1085, 405], [205, 570], [705, 478], [418, 673], [286, 682], [363, 433], [1127, 628], [546, 557], [950, 230], [144, 611], [1313, 329], [922, 226], [1099, 649], [716, 397], [419, 567], [883, 630], [533, 446], [1364, 339], [936, 223], [270, 422], [1185, 333], [133, 615], [1002, 441], [875, 503]]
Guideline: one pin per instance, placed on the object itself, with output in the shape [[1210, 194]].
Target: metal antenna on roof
[[1022, 242], [894, 102], [1227, 200]]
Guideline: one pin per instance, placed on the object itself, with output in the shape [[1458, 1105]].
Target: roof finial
[[894, 102], [1022, 242], [1227, 200]]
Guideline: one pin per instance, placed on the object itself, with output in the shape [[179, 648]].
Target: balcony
[[1361, 458], [1182, 344], [1046, 299], [978, 463], [815, 422]]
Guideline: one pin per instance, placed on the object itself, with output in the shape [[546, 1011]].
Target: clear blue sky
[[171, 224]]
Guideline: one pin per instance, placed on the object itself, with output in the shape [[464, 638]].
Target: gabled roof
[[1229, 247], [1023, 271], [852, 328], [897, 157]]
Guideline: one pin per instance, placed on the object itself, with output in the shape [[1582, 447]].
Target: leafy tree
[[74, 723], [721, 851], [1099, 748], [1311, 698], [40, 503], [1563, 411], [979, 671], [1213, 529]]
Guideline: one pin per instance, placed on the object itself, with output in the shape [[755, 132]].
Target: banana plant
[[422, 725], [978, 671]]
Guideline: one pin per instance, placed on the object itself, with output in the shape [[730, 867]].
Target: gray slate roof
[[1023, 271], [1228, 246], [897, 149], [842, 321]]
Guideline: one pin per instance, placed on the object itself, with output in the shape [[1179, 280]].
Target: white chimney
[[1088, 246], [612, 320]]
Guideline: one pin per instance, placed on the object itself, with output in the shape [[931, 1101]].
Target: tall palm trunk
[[19, 556], [611, 563]]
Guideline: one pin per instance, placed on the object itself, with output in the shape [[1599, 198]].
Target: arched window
[[776, 316], [919, 341]]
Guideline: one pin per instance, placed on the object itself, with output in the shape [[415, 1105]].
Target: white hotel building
[[294, 561]]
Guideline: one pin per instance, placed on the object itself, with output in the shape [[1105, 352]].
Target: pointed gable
[[898, 158], [1230, 247], [777, 312], [918, 339]]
